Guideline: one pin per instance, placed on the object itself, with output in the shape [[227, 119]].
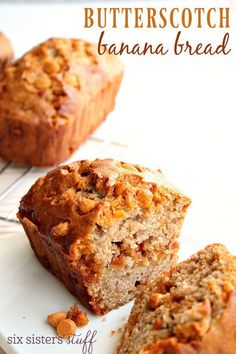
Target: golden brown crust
[[51, 257], [6, 52], [60, 91]]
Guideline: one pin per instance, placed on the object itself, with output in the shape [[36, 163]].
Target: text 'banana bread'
[[103, 227], [188, 310], [53, 98]]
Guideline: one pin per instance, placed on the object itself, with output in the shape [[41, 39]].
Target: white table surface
[[174, 113]]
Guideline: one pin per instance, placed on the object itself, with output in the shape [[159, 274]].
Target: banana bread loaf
[[6, 52], [188, 310], [103, 227], [53, 98]]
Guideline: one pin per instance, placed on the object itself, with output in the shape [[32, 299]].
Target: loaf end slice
[[188, 310], [103, 227]]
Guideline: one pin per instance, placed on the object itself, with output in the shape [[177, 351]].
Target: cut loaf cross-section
[[103, 227]]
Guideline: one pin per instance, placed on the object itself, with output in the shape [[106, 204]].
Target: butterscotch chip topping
[[52, 66], [121, 188], [43, 82], [145, 197], [86, 205], [60, 229]]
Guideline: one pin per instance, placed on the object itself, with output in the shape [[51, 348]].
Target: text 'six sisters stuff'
[[153, 18]]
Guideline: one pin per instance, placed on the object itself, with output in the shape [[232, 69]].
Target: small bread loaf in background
[[103, 227], [53, 98], [6, 52], [188, 310]]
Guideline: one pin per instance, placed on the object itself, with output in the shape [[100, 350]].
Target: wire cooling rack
[[16, 180]]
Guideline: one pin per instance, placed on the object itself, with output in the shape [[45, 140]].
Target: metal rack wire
[[16, 180]]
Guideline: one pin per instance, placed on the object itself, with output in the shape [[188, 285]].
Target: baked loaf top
[[49, 82], [6, 52], [188, 309], [69, 202]]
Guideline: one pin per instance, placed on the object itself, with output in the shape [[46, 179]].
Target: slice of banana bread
[[103, 227], [188, 310]]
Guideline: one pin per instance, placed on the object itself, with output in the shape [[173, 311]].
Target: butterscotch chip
[[43, 82], [86, 205], [154, 300], [120, 188], [56, 87], [66, 328], [55, 318], [60, 229], [51, 67], [145, 197], [71, 79], [157, 324], [228, 287], [118, 261], [73, 310], [81, 319], [129, 200]]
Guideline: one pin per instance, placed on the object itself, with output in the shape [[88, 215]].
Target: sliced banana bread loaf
[[53, 98], [103, 227], [188, 310]]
